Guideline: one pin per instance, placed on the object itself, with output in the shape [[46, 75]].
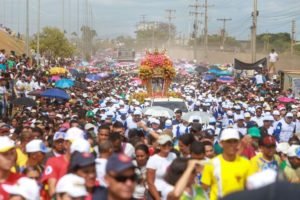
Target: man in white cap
[[228, 172], [285, 128], [258, 118], [25, 188], [71, 186], [292, 164], [131, 122], [36, 151], [56, 167], [7, 161], [240, 125]]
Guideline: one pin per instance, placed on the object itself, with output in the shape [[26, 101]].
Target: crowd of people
[[100, 144]]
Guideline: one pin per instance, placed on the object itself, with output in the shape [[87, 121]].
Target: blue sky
[[119, 17]]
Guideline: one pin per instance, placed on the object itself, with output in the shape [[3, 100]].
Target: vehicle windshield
[[171, 105]]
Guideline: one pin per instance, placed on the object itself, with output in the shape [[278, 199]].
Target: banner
[[249, 66]]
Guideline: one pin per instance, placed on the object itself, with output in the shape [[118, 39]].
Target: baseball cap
[[247, 115], [254, 132], [71, 184], [289, 114], [240, 117], [276, 112], [6, 144], [118, 163], [229, 113], [283, 147], [168, 123], [163, 139], [58, 135], [229, 133], [268, 118], [178, 111], [74, 133], [80, 145], [155, 121], [36, 146], [294, 151], [137, 112], [25, 187], [79, 160], [89, 126], [268, 141]]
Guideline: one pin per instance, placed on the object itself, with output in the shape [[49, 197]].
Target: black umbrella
[[24, 101], [201, 69], [35, 93]]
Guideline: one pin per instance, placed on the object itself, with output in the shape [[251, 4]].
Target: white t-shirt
[[273, 57], [160, 165], [101, 170]]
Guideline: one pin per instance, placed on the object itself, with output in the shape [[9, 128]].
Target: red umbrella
[[286, 100]]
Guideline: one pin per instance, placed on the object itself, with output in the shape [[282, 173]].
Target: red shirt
[[11, 180], [56, 167]]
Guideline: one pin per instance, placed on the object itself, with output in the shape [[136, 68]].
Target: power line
[[170, 16], [223, 31], [195, 13], [293, 36]]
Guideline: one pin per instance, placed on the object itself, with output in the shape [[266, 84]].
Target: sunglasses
[[123, 179]]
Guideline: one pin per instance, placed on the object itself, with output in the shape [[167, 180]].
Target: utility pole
[[293, 36], [206, 6], [38, 34], [63, 16], [254, 28], [195, 13], [27, 28], [170, 16], [78, 28], [223, 31]]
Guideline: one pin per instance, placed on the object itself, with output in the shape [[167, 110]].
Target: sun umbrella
[[286, 100], [64, 83], [103, 75], [55, 93], [158, 111], [203, 117], [35, 93], [24, 101], [201, 69], [93, 77], [209, 77], [57, 70], [225, 79], [55, 78]]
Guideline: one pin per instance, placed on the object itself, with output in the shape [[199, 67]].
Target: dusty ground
[[9, 43], [286, 61]]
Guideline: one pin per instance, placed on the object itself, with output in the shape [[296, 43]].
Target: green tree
[[53, 43], [279, 41]]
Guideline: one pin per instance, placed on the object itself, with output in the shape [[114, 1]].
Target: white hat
[[289, 114], [36, 146], [137, 112], [276, 112], [229, 133], [123, 111], [163, 139], [80, 145], [247, 115], [261, 179], [89, 126], [59, 135], [294, 151], [71, 184], [25, 187], [155, 121], [168, 122], [60, 116], [74, 133], [240, 117], [282, 147], [212, 120], [268, 118], [229, 113], [6, 144]]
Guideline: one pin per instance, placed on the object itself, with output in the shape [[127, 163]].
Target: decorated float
[[156, 72]]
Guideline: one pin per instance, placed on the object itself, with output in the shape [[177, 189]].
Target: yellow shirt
[[258, 163], [21, 158], [225, 177]]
